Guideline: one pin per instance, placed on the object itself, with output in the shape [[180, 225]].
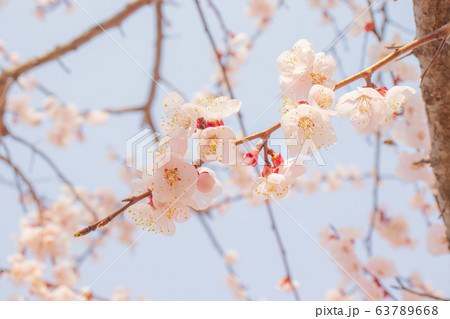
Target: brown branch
[[442, 32], [10, 75], [438, 52], [156, 67], [263, 134], [5, 84], [219, 16], [17, 179], [26, 181], [124, 110], [131, 201], [282, 250], [423, 161], [219, 60], [374, 28], [83, 38]]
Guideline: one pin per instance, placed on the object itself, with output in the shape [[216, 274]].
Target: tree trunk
[[429, 16]]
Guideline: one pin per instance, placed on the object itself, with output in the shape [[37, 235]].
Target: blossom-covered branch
[[219, 58], [367, 73]]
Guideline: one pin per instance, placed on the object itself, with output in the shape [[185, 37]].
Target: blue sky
[[185, 266]]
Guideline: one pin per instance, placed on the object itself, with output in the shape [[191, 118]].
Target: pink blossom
[[287, 285], [302, 68], [218, 144], [231, 257], [410, 170], [381, 267], [437, 243], [307, 122]]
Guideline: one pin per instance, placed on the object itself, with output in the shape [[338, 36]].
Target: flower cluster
[[277, 178], [46, 236], [177, 186], [231, 57], [368, 108], [341, 245], [395, 229], [66, 119], [309, 121], [301, 68]]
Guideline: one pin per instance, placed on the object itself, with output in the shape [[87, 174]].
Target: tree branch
[[156, 67], [442, 32], [282, 250], [263, 134], [131, 201], [83, 38], [10, 75], [26, 181], [222, 67]]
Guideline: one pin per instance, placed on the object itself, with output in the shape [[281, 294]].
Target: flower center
[[364, 104], [421, 135], [317, 78], [213, 141], [171, 176], [306, 124]]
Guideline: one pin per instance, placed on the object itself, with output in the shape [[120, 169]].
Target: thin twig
[[131, 201], [83, 38], [222, 67], [436, 55], [8, 76], [218, 248], [28, 183], [444, 31], [16, 180], [282, 250], [57, 171], [376, 184], [263, 134], [156, 67], [403, 287]]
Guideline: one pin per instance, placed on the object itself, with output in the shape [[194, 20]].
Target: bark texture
[[429, 16]]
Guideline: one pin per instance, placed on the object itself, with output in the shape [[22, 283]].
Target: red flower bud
[[267, 170]]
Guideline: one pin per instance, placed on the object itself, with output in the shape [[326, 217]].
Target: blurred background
[[186, 266]]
